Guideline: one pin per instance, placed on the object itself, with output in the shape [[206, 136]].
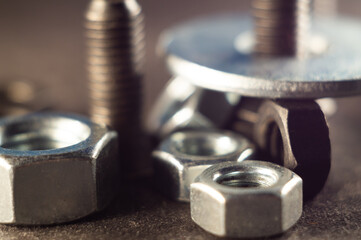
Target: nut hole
[[243, 179], [198, 145], [43, 133]]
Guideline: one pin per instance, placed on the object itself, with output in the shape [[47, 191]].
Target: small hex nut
[[184, 155], [247, 199], [55, 168]]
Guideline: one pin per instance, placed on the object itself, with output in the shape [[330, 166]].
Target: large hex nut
[[184, 155], [55, 168], [248, 199]]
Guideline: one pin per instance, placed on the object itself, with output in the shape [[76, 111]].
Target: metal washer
[[205, 53]]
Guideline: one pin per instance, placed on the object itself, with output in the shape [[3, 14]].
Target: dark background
[[42, 41]]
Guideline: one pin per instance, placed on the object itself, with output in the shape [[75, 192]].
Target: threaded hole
[[241, 179], [198, 145], [42, 133]]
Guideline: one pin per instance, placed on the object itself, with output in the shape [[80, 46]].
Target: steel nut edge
[[193, 107], [55, 168], [248, 199], [167, 114], [296, 135], [184, 155]]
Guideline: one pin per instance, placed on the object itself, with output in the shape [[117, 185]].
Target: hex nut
[[191, 108], [296, 135], [247, 199], [184, 155], [55, 168], [167, 114]]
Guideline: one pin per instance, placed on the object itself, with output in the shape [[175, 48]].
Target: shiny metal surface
[[182, 156], [115, 62], [216, 53], [182, 105], [247, 199], [55, 168], [114, 33], [175, 109]]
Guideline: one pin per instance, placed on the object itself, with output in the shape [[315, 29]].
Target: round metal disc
[[214, 53]]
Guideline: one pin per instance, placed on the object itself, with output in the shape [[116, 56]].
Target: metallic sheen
[[281, 27], [192, 107], [115, 63], [182, 156], [216, 53], [55, 168], [247, 199]]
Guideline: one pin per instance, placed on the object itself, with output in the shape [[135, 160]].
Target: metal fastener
[[247, 199], [332, 68], [182, 156], [193, 107], [291, 133], [281, 27], [174, 109], [282, 57], [55, 168], [294, 134], [115, 62]]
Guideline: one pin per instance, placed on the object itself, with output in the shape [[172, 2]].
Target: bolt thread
[[115, 62], [281, 27], [115, 40]]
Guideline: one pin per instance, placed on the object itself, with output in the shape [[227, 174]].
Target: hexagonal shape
[[248, 199], [184, 155], [193, 107], [55, 168], [296, 135]]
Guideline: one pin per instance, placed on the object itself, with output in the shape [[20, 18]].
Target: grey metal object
[[175, 108], [295, 135], [247, 114], [55, 168], [184, 155], [248, 199], [216, 53], [281, 27], [183, 105], [115, 63]]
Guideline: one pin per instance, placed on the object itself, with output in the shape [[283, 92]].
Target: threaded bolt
[[281, 27], [115, 59]]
